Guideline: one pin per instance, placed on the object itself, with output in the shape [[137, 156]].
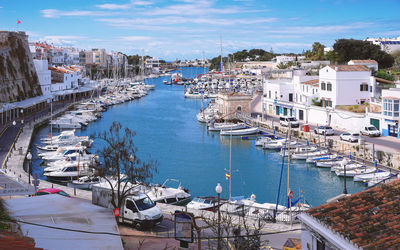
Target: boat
[[208, 203], [84, 182], [371, 176], [304, 156], [47, 147], [279, 144], [65, 124], [168, 195], [238, 132], [328, 163], [225, 126], [326, 157], [262, 140], [356, 171], [68, 173], [299, 150]]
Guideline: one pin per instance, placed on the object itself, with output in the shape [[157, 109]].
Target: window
[[131, 206], [323, 86], [329, 86], [363, 87], [269, 94]]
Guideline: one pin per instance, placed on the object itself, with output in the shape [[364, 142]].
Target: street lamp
[[218, 189], [14, 123], [29, 158]]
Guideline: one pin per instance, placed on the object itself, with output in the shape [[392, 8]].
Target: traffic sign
[[116, 212], [290, 194], [36, 182]]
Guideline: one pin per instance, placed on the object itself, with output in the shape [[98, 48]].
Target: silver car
[[324, 130], [350, 137]]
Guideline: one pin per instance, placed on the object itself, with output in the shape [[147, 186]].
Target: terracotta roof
[[14, 241], [312, 82], [364, 61], [349, 67], [370, 219]]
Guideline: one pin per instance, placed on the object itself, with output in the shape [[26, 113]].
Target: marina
[[198, 157]]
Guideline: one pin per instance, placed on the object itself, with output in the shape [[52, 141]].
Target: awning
[[32, 101]]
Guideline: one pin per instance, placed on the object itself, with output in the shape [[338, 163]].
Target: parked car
[[285, 121], [370, 130], [45, 191], [324, 130], [351, 137]]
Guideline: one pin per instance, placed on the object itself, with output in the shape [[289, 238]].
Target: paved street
[[384, 143], [7, 137]]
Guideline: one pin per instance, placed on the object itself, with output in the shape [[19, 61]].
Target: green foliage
[[384, 75], [316, 102], [348, 49], [241, 56]]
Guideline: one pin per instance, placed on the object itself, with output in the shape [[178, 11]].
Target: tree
[[318, 51], [348, 49], [120, 157]]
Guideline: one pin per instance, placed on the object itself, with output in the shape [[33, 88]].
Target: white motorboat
[[326, 157], [67, 138], [169, 195], [225, 126], [304, 156], [357, 171], [350, 165], [47, 147], [368, 177], [68, 173], [280, 143], [208, 203], [299, 150], [61, 153], [262, 140], [238, 132], [328, 163], [65, 124], [84, 182], [377, 180]]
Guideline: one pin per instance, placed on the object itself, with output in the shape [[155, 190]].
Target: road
[[151, 238], [7, 137], [383, 143]]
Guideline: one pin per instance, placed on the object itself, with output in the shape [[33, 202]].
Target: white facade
[[390, 124], [285, 59], [152, 65], [44, 75], [371, 64], [344, 85], [388, 45]]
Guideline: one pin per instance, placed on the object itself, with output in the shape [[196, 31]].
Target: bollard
[[52, 185], [74, 191]]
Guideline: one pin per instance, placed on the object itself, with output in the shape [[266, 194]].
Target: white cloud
[[322, 29], [112, 6], [62, 40], [1, 7], [135, 38], [53, 13]]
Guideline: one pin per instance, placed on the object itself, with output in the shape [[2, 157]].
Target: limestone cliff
[[18, 78]]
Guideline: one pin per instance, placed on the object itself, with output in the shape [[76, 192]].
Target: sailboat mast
[[230, 167], [220, 40], [51, 119], [288, 176]]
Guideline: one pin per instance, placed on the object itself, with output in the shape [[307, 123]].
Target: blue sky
[[185, 28]]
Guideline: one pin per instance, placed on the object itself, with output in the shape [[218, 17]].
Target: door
[[130, 211], [392, 130], [277, 110], [270, 109], [375, 122], [301, 115], [285, 111]]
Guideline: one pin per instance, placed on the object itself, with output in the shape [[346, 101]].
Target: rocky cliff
[[18, 78]]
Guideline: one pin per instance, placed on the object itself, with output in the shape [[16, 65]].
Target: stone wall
[[18, 78]]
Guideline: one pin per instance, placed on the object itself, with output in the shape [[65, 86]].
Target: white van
[[140, 211], [285, 121]]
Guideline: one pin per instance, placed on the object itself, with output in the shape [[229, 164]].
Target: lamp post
[[218, 189], [29, 157]]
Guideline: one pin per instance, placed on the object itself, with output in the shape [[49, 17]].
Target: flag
[[227, 176], [18, 21]]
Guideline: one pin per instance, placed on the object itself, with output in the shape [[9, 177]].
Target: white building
[[371, 64], [152, 65], [391, 112], [44, 75], [388, 45], [344, 85], [285, 59]]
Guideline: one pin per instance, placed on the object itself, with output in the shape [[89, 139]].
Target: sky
[[187, 29]]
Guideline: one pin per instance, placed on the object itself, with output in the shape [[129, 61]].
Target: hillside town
[[308, 146]]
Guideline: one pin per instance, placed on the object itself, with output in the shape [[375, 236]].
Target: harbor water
[[167, 131]]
